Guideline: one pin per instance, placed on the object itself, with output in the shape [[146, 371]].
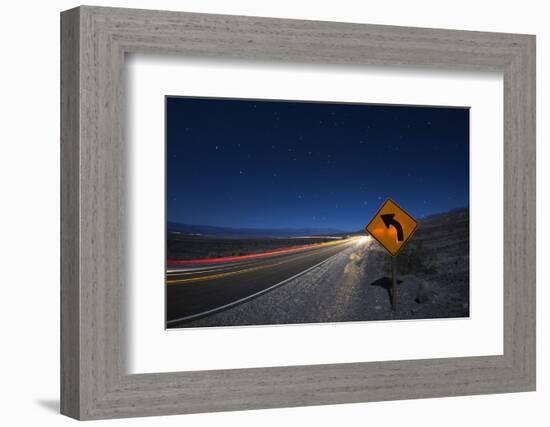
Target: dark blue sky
[[255, 163]]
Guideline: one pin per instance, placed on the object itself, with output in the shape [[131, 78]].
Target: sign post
[[392, 227], [394, 282]]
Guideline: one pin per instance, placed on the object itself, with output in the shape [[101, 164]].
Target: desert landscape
[[354, 283]]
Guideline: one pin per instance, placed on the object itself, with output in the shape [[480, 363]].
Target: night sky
[[278, 164]]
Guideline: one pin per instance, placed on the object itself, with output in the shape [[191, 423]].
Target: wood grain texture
[[70, 349], [94, 382]]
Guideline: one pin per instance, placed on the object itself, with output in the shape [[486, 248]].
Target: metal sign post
[[394, 282]]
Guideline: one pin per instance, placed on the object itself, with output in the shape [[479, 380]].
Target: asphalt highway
[[198, 290]]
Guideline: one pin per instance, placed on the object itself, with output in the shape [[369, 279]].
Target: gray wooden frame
[[94, 382]]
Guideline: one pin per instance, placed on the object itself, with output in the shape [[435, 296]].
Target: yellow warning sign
[[392, 227]]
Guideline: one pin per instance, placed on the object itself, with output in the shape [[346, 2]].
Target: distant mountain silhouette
[[211, 230]]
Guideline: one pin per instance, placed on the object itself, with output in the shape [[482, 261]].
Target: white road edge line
[[239, 301]]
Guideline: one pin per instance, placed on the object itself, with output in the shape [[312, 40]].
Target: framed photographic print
[[282, 188], [267, 201]]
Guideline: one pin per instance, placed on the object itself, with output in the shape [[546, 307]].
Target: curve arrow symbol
[[389, 220]]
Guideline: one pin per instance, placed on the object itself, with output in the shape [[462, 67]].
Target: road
[[198, 290]]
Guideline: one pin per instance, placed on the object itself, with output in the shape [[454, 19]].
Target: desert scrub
[[415, 258]]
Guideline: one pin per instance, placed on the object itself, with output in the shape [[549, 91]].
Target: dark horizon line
[[232, 227], [337, 229]]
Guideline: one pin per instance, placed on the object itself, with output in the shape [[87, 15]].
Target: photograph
[[284, 212]]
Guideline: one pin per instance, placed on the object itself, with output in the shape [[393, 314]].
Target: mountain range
[[211, 230]]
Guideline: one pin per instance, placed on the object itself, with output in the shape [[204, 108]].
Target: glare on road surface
[[363, 240]]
